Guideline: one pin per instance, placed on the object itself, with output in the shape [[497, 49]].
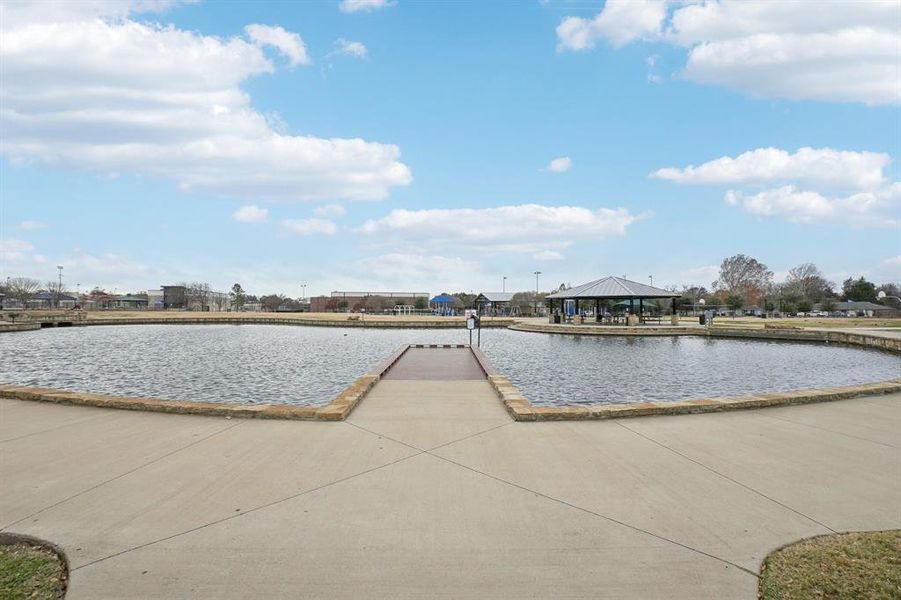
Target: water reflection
[[310, 365]]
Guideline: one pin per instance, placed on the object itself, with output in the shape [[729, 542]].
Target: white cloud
[[31, 225], [352, 6], [289, 44], [411, 272], [653, 78], [704, 275], [818, 166], [879, 208], [355, 49], [117, 96], [330, 210], [795, 50], [310, 226], [250, 214], [560, 165], [546, 255], [13, 250], [620, 22], [526, 228]]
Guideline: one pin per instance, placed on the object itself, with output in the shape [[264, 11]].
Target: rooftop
[[613, 287]]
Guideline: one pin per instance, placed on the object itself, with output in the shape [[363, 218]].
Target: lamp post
[[59, 286], [651, 277], [537, 273], [303, 295], [504, 284]]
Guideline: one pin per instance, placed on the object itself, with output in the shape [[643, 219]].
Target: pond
[[267, 364]]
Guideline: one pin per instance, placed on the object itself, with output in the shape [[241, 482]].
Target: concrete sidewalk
[[430, 490]]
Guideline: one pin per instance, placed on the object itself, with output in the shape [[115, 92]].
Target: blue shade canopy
[[443, 299]]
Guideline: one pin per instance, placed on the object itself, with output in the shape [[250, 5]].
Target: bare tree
[[744, 276], [808, 282], [56, 289], [22, 289], [198, 294]]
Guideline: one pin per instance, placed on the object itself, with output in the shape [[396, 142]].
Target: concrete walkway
[[429, 490]]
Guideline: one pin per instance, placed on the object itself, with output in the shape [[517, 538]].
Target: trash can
[[702, 319]]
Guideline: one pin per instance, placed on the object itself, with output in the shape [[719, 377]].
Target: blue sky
[[408, 145]]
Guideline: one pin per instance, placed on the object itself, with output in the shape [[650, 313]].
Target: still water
[[269, 364]]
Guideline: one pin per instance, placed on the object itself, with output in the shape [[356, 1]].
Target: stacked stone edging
[[784, 334], [6, 327], [374, 324], [336, 410], [521, 409]]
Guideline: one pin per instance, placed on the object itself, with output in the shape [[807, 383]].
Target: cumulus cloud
[[349, 48], [817, 166], [13, 250], [526, 228], [115, 95], [795, 50], [843, 187], [546, 255], [412, 272], [352, 6], [31, 225], [620, 22], [560, 165], [310, 226], [876, 208], [330, 210], [250, 213], [289, 44]]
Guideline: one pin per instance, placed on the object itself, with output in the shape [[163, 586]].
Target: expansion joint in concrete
[[727, 478], [121, 475]]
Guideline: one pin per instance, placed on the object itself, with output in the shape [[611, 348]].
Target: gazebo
[[443, 304], [610, 288], [494, 302]]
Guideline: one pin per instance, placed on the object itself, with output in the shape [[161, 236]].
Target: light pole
[[303, 288], [59, 287], [537, 273], [504, 284], [651, 277]]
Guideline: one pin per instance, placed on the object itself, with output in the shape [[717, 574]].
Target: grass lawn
[[31, 572], [858, 566]]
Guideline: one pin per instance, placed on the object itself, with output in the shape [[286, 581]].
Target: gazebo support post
[[640, 310], [597, 310]]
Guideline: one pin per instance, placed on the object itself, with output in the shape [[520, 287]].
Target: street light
[[651, 277], [59, 287], [504, 284], [303, 288], [537, 273]]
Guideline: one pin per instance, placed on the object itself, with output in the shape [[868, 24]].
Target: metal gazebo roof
[[612, 287]]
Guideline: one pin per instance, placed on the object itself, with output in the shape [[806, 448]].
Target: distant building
[[356, 301], [175, 296], [495, 303], [855, 308], [45, 299]]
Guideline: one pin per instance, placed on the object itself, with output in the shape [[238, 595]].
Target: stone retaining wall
[[372, 323], [26, 326], [784, 334]]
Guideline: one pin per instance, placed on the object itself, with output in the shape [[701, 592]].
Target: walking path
[[430, 490]]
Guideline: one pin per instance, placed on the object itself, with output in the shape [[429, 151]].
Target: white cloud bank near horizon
[[88, 88], [846, 52], [845, 187], [519, 229]]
